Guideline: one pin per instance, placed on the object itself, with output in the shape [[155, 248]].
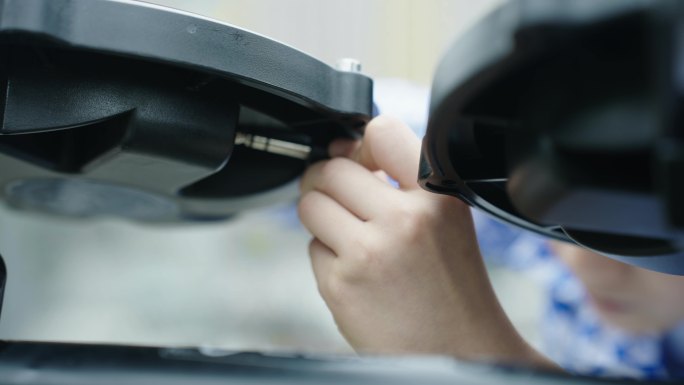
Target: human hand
[[400, 268]]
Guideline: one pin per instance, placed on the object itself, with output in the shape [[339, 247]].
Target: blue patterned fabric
[[572, 333]]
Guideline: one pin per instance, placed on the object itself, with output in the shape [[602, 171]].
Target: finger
[[322, 261], [352, 185], [382, 176], [391, 146], [346, 148], [327, 220]]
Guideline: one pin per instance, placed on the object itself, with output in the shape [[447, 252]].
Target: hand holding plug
[[400, 268]]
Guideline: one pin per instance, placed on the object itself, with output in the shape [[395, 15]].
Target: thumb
[[391, 146]]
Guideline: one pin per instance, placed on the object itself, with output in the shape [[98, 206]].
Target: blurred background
[[245, 284]]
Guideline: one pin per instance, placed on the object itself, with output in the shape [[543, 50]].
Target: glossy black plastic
[[118, 108], [564, 118]]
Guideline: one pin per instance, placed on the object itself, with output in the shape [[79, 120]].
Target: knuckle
[[330, 170], [333, 290], [366, 256], [380, 123], [404, 213], [308, 179], [380, 127], [314, 247], [411, 221], [369, 252], [307, 204]]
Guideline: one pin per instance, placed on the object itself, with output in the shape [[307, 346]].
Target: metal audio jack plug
[[273, 146]]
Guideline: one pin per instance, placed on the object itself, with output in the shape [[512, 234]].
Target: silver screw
[[348, 65]]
